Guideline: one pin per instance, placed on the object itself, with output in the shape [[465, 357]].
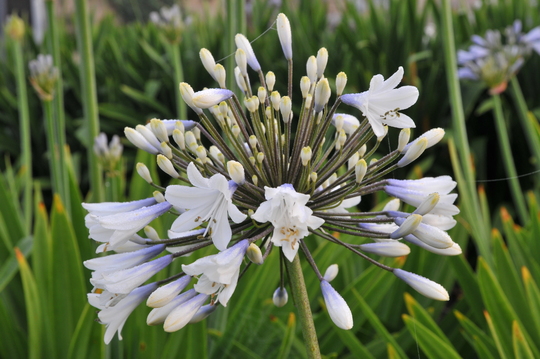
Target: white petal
[[423, 285], [182, 314], [339, 311]]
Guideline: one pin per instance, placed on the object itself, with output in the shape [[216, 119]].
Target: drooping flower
[[382, 102]]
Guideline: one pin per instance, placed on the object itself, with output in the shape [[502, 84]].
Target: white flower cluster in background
[[257, 174]]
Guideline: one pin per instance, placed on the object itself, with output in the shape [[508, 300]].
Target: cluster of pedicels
[[272, 176], [495, 58]]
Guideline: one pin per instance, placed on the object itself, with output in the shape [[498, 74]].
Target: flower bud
[[275, 99], [201, 153], [166, 150], [339, 311], [151, 233], [254, 254], [322, 94], [311, 69], [260, 157], [305, 155], [139, 140], [15, 27], [422, 285], [158, 315], [240, 80], [166, 166], [220, 75], [163, 295], [341, 81], [331, 273], [253, 142], [235, 130], [280, 297], [210, 97], [360, 170], [342, 138], [322, 60], [208, 62], [383, 135], [404, 136], [386, 249], [313, 177], [270, 80], [143, 171], [286, 108], [309, 98], [182, 314], [243, 43], [255, 179], [428, 204], [353, 160], [285, 37], [362, 151], [432, 136], [338, 122], [241, 61], [203, 313], [252, 104], [236, 172], [187, 95], [305, 84], [159, 129], [178, 137], [406, 226], [159, 197], [413, 152], [216, 154]]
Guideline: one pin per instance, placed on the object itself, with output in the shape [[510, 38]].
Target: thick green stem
[[58, 104], [55, 165], [467, 188], [24, 125], [88, 81], [506, 152], [301, 301], [531, 133], [181, 110]]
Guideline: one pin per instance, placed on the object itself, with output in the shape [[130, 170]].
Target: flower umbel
[[272, 176]]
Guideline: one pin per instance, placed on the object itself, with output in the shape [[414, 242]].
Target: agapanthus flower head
[[170, 20], [272, 177], [494, 59], [109, 154], [43, 76]]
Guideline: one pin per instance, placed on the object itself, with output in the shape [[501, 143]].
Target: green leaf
[[522, 349], [10, 267], [288, 337], [33, 307], [143, 98], [430, 343], [479, 337]]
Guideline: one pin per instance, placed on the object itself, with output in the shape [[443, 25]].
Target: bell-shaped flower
[[287, 211], [218, 273], [125, 280], [114, 317], [382, 102], [182, 314], [422, 285], [116, 222], [123, 260], [339, 311], [209, 200]]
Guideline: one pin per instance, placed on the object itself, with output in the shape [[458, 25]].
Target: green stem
[[58, 104], [301, 301], [181, 110], [531, 133], [26, 145], [88, 81], [506, 152], [467, 188], [52, 145]]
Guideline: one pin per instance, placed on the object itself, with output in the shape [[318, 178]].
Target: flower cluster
[[272, 176], [170, 20], [108, 154], [43, 76], [494, 61]]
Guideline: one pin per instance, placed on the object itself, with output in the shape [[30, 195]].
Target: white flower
[[123, 260], [115, 316], [423, 285], [339, 311], [158, 315], [210, 97], [181, 315], [218, 272], [287, 211], [163, 295], [118, 228], [209, 200], [382, 102], [125, 280], [386, 249]]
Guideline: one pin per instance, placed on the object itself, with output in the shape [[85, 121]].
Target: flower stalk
[[301, 302]]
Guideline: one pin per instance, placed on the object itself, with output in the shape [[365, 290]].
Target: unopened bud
[[178, 137], [331, 273], [253, 142], [322, 60], [386, 249], [208, 61], [341, 81], [280, 297], [342, 138], [428, 204], [406, 226], [220, 75], [313, 177], [255, 179], [285, 37], [143, 171], [243, 43], [158, 196], [286, 107], [159, 129], [236, 172], [275, 99], [322, 94], [210, 97], [201, 153], [252, 104], [404, 136], [260, 157], [311, 69], [353, 160], [362, 151], [187, 95], [166, 150], [254, 254], [166, 166], [241, 61], [360, 170], [15, 27], [270, 80], [305, 84], [305, 155], [413, 152], [240, 79], [216, 154], [422, 285]]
